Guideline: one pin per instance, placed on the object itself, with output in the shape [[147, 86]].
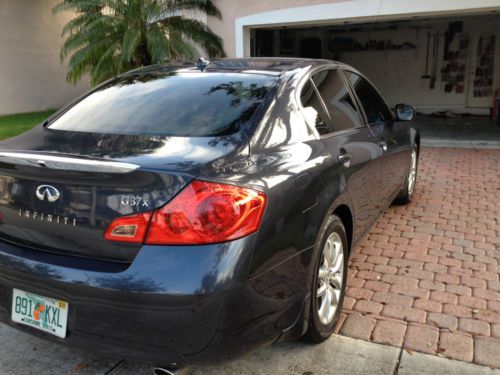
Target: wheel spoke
[[412, 175], [325, 306], [339, 262], [329, 252], [323, 272], [335, 293], [322, 289], [336, 281]]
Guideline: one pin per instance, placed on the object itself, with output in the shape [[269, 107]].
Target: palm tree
[[108, 37]]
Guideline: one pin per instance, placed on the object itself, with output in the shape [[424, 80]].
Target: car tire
[[406, 195], [329, 281]]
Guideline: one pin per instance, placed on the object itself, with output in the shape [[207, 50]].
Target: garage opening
[[447, 67]]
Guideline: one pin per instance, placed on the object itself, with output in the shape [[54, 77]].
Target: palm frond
[[181, 48], [131, 41], [198, 6], [107, 37], [77, 6], [159, 45], [106, 66], [198, 32]]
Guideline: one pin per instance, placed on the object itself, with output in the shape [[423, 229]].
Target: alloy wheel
[[330, 278], [412, 176]]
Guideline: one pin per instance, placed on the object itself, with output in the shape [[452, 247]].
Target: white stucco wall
[[31, 75]]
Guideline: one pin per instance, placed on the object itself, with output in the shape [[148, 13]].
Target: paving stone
[[380, 269], [416, 274], [474, 302], [442, 320], [404, 313], [474, 326], [487, 351], [427, 305], [377, 286], [459, 289], [359, 293], [410, 291], [422, 339], [487, 316], [355, 282], [349, 303], [435, 262], [473, 282], [443, 297], [494, 305], [358, 326], [486, 294], [400, 280], [456, 346], [389, 333], [431, 285], [368, 307], [392, 299], [458, 311], [451, 277], [495, 330]]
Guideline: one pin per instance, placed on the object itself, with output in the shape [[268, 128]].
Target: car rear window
[[169, 104]]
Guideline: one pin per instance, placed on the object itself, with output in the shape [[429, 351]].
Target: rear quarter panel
[[287, 162]]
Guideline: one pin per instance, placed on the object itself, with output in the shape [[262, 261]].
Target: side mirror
[[405, 112]]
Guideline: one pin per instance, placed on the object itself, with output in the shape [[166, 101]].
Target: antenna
[[202, 63]]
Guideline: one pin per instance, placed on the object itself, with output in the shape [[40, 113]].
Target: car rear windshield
[[169, 104]]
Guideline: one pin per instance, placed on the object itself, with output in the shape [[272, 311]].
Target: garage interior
[[447, 67]]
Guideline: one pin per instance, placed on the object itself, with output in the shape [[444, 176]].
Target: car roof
[[255, 65]]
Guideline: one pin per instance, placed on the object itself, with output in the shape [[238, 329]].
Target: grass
[[12, 125]]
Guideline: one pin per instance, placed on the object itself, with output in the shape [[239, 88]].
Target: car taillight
[[129, 228], [203, 213]]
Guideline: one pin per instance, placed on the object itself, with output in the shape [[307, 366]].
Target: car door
[[391, 136], [352, 145]]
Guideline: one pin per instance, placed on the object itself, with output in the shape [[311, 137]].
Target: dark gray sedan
[[189, 214]]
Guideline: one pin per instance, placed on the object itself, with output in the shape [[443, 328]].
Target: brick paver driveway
[[427, 275]]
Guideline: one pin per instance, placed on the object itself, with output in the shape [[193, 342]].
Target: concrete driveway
[[24, 354], [425, 279]]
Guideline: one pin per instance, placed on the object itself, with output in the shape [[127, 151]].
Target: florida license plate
[[44, 313]]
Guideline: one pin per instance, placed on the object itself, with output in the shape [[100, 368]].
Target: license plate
[[44, 313]]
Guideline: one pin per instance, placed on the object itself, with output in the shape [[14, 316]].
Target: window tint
[[314, 110], [375, 108], [338, 100], [169, 104]]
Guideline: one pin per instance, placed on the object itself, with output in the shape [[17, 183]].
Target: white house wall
[[32, 77]]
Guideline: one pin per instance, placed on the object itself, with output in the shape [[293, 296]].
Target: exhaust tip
[[170, 371], [162, 371]]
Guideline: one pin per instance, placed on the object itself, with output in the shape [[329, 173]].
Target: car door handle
[[383, 145], [345, 159]]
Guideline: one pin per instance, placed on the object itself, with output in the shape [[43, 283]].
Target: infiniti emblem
[[47, 192]]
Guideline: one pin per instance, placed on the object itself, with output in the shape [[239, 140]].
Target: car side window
[[314, 110], [338, 100], [375, 108]]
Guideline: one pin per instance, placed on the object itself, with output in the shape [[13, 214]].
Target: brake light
[[202, 213]]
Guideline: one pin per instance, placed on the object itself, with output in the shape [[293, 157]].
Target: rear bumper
[[174, 304]]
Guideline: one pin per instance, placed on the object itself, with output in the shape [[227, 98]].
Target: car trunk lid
[[62, 202]]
